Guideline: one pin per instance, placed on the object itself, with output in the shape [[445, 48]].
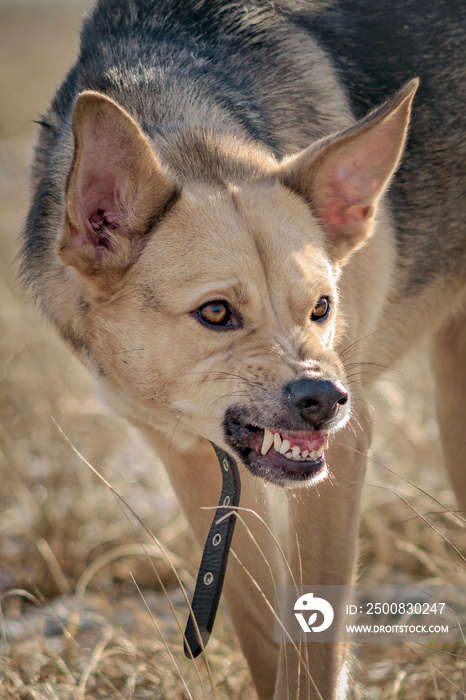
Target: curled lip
[[246, 439]]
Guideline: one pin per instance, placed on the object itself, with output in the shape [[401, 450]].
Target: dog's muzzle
[[288, 444]]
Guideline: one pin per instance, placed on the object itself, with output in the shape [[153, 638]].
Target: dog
[[221, 230]]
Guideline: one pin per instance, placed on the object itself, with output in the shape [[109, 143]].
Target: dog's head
[[208, 277]]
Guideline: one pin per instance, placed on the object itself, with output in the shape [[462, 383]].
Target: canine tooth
[[289, 455], [267, 441], [277, 441], [313, 454], [319, 451], [285, 446], [305, 454], [295, 452]]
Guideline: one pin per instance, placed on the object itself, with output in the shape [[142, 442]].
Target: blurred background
[[89, 603]]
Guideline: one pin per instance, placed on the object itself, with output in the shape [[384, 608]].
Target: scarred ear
[[116, 190], [344, 176]]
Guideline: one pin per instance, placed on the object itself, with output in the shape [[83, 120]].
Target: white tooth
[[305, 454], [289, 455], [313, 454], [277, 441], [267, 441], [285, 446], [295, 452], [319, 451]]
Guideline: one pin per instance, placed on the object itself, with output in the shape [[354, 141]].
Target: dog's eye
[[321, 309], [218, 315]]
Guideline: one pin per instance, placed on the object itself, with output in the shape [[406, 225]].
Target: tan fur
[[218, 218]]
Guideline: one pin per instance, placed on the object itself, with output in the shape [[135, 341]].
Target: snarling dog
[[210, 232]]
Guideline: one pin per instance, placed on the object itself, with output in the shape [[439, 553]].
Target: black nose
[[317, 400]]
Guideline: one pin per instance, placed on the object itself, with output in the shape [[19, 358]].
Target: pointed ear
[[344, 176], [116, 192]]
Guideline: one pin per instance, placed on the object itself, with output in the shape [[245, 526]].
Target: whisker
[[351, 365], [228, 396], [360, 340], [220, 374], [125, 352]]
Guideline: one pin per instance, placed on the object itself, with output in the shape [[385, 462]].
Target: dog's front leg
[[196, 479], [324, 525]]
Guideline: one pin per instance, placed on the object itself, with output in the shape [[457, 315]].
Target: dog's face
[[227, 320], [212, 307]]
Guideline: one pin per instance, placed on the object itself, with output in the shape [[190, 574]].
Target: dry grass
[[74, 624]]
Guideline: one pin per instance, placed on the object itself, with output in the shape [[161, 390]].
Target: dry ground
[[74, 624]]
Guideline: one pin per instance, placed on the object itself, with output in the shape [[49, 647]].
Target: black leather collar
[[214, 561]]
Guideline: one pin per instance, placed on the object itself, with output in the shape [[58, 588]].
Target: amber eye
[[321, 309], [218, 315]]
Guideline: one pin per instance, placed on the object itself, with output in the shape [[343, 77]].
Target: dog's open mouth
[[279, 456]]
